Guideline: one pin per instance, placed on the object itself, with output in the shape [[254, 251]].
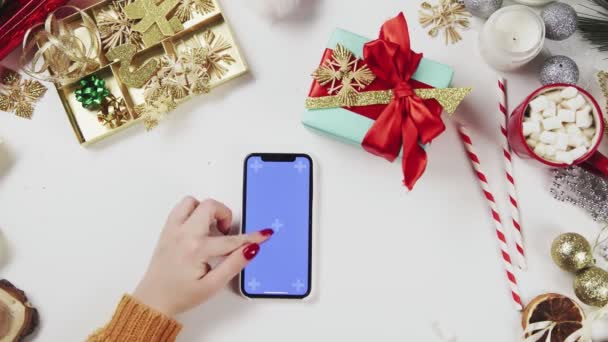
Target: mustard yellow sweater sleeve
[[135, 322]]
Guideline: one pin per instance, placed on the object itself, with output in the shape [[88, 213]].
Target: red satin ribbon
[[408, 119]]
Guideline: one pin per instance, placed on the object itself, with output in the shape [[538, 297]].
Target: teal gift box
[[351, 127]]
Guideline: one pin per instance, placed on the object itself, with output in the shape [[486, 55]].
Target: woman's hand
[[179, 277]]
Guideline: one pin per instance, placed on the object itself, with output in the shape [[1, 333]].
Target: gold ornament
[[591, 286], [18, 95], [114, 112], [136, 78], [210, 53], [154, 24], [187, 8], [572, 252], [115, 28], [345, 75], [448, 15]]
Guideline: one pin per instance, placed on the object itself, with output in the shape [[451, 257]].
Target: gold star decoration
[[345, 75], [602, 78], [18, 95], [448, 15], [210, 52], [188, 8], [115, 27], [114, 112]]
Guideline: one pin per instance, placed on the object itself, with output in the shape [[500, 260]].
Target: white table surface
[[81, 223]]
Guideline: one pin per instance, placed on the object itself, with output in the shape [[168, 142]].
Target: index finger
[[208, 211]]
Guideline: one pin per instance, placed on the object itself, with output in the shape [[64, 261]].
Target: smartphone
[[278, 194]]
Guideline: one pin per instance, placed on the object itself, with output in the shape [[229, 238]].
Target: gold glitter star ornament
[[154, 24], [18, 95]]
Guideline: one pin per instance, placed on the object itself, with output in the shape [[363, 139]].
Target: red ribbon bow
[[408, 119]]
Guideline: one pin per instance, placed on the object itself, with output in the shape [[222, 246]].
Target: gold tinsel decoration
[[448, 15], [18, 95], [345, 75], [115, 27], [186, 9], [114, 112], [602, 78], [210, 52]]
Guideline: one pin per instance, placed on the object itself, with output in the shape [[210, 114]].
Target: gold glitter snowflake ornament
[[18, 95], [115, 28], [448, 15], [345, 75]]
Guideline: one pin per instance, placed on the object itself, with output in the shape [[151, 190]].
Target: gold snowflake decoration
[[115, 28], [345, 75], [18, 95], [154, 110], [448, 15], [186, 9], [211, 52]]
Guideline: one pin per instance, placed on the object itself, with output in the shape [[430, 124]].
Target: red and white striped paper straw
[[502, 241], [503, 117]]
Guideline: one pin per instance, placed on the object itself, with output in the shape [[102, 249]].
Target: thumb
[[229, 268]]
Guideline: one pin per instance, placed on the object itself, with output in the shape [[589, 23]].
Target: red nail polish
[[251, 251], [267, 232]]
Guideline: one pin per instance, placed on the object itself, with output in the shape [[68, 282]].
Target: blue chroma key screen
[[277, 196]]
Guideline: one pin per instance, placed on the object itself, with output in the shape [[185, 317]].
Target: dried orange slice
[[563, 311]]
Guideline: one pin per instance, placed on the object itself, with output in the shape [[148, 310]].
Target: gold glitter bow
[[347, 77], [56, 53], [448, 15], [19, 95], [114, 112]]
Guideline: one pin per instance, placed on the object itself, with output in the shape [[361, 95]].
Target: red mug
[[593, 159]]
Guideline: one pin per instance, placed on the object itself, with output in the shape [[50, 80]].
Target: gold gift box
[[85, 122]]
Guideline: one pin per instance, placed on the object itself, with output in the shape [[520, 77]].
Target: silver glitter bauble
[[482, 8], [559, 69], [560, 21]]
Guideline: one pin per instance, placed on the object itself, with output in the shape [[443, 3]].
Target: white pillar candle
[[512, 37]]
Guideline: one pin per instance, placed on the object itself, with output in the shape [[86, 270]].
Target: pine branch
[[594, 26]]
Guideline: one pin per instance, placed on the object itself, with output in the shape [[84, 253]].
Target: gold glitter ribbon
[[448, 98], [56, 52]]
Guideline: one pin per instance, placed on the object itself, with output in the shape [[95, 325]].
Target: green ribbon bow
[[92, 92]]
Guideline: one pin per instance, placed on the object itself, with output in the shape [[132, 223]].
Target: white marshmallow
[[569, 93], [578, 152], [550, 151], [548, 137], [531, 127], [552, 123], [564, 157], [576, 140], [560, 130], [555, 96], [532, 143], [566, 115], [539, 104], [586, 109], [536, 117], [535, 136], [575, 103], [540, 149], [573, 129], [551, 109], [583, 119], [589, 132], [561, 141]]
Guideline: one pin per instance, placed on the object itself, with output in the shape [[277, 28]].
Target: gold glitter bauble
[[591, 286], [571, 252]]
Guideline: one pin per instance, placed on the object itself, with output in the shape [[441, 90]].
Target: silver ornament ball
[[559, 69], [482, 8], [560, 21]]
